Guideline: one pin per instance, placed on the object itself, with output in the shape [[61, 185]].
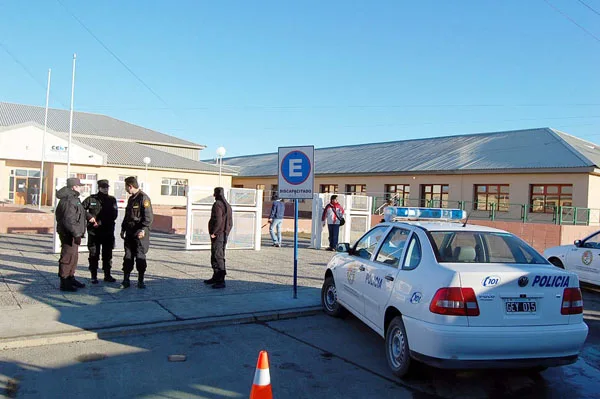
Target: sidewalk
[[259, 287]]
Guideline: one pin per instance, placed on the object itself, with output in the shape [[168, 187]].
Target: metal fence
[[503, 212]]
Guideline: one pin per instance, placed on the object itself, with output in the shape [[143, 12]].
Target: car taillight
[[455, 301], [572, 302]]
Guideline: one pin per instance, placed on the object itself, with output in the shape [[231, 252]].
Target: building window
[[173, 187], [435, 195], [399, 193], [546, 197], [488, 194], [329, 188], [356, 189], [84, 176]]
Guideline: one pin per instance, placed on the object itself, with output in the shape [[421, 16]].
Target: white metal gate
[[246, 205], [357, 215]]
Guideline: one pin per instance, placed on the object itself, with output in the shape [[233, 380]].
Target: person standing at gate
[[102, 209], [135, 231], [219, 226], [70, 226], [333, 215], [276, 219]]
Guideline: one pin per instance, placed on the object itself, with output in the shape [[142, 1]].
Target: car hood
[[561, 249]]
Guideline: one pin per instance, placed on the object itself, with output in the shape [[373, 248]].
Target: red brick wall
[[20, 222]]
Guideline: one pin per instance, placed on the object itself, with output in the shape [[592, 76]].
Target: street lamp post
[[147, 162], [220, 154]]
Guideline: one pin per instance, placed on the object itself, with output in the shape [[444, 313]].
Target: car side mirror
[[577, 243], [343, 247]]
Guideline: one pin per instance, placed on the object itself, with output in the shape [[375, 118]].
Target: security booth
[[246, 206], [90, 187], [357, 209]]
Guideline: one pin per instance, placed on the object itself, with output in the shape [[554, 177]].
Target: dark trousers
[[217, 256], [135, 251], [334, 233], [100, 242], [69, 255]]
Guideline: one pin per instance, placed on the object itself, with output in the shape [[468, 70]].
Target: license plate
[[521, 307]]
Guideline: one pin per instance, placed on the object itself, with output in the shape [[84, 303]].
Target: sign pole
[[296, 181], [296, 248]]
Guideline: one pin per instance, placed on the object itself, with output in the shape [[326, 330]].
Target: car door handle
[[361, 268], [390, 278]]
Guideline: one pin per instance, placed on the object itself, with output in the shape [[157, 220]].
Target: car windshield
[[483, 247]]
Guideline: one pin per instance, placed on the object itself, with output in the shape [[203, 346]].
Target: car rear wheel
[[556, 262], [396, 348], [329, 299]]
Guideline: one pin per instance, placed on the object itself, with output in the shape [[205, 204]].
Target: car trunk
[[515, 295]]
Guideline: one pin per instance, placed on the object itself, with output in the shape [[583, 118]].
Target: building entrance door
[[21, 191]]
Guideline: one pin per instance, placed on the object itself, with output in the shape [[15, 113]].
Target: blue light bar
[[425, 213]]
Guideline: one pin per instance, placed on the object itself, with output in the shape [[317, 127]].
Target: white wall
[[25, 144]]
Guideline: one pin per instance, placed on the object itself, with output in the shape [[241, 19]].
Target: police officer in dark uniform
[[135, 231], [102, 212]]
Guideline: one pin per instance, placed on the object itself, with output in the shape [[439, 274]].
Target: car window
[[413, 254], [484, 247], [499, 251], [592, 242], [392, 247], [365, 247], [461, 246]]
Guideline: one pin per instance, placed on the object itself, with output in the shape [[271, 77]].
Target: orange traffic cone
[[261, 387]]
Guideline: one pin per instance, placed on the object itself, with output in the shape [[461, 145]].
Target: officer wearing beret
[[102, 211], [135, 231]]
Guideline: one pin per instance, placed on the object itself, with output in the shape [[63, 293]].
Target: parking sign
[[296, 172]]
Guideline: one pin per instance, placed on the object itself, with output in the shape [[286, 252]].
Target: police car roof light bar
[[438, 214]]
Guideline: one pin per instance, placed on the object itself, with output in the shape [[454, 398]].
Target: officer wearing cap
[[70, 226], [102, 211], [135, 231]]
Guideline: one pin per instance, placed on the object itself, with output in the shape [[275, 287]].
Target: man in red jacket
[[219, 226], [333, 214]]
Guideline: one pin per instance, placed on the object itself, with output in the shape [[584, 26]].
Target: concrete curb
[[151, 328]]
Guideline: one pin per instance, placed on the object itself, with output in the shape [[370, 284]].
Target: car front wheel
[[396, 348], [329, 299]]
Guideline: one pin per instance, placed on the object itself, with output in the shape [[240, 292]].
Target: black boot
[[211, 280], [141, 284], [65, 285], [126, 283], [107, 277], [94, 276], [219, 280], [76, 283]]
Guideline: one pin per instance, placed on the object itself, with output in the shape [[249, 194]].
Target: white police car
[[583, 258], [457, 296]]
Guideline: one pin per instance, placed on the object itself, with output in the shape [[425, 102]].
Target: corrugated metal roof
[[541, 148], [126, 153], [86, 124]]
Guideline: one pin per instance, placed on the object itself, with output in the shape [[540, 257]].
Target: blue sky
[[256, 75]]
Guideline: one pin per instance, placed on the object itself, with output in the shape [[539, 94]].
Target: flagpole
[[44, 142], [71, 119]]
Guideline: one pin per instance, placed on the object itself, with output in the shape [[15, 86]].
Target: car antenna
[[466, 220]]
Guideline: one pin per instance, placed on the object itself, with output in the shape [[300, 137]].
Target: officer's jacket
[[103, 208], [138, 214], [70, 215]]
